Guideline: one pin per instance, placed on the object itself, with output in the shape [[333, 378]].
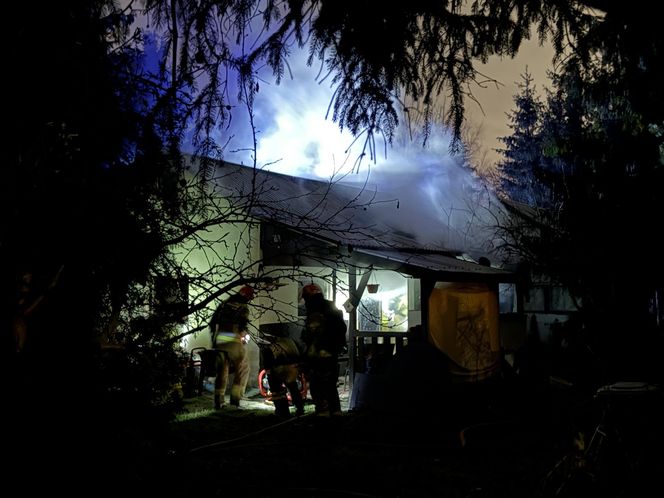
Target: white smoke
[[294, 136], [440, 202]]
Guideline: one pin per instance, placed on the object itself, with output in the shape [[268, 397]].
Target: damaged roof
[[358, 218]]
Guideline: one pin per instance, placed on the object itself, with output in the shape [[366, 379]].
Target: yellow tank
[[463, 323]]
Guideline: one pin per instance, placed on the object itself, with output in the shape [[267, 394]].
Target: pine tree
[[523, 149], [600, 174]]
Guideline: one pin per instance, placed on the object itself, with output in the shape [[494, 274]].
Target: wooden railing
[[374, 349]]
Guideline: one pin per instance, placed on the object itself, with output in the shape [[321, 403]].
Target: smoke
[[439, 201], [293, 135]]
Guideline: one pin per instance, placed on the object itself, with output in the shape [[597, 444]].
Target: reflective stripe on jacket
[[223, 337]]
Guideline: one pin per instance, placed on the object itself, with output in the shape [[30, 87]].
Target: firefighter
[[281, 358], [324, 335], [229, 328]]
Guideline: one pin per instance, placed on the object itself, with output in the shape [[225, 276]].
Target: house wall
[[544, 306], [414, 302], [220, 252], [284, 304]]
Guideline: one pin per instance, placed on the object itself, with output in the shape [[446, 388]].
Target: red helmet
[[310, 290], [247, 292]]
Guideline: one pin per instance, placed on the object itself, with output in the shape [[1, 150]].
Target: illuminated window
[[384, 304]]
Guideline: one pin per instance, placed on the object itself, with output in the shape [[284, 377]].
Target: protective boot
[[296, 397], [221, 380], [281, 409], [236, 395]]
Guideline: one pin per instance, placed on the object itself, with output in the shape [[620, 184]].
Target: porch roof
[[432, 264]]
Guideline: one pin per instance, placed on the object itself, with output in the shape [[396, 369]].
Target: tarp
[[463, 324]]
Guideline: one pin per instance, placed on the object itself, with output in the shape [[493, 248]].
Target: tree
[[84, 166], [522, 151], [84, 185], [601, 170], [374, 57]]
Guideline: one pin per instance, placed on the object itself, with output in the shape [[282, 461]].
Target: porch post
[[352, 330], [426, 287]]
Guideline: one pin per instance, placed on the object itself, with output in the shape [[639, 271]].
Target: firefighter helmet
[[247, 292], [311, 290]]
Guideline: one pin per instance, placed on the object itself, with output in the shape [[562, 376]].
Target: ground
[[361, 453], [492, 442], [469, 443]]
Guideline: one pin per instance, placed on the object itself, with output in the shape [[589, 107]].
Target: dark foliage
[[85, 189], [376, 56], [600, 173]]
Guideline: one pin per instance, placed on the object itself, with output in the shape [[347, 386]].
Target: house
[[544, 302], [284, 232]]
